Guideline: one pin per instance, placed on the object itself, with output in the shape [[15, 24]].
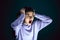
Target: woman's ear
[[34, 13]]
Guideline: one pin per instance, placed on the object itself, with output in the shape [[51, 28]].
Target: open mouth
[[30, 21]]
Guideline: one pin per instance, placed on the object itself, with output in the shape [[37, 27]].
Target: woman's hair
[[29, 9]]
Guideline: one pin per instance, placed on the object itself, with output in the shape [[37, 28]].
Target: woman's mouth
[[30, 21]]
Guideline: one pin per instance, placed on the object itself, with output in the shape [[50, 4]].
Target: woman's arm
[[44, 20]]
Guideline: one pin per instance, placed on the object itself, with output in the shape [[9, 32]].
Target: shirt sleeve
[[43, 21], [17, 24]]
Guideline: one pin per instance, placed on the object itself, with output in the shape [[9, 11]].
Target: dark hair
[[28, 9]]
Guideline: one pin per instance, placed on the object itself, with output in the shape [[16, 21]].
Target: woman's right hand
[[22, 11]]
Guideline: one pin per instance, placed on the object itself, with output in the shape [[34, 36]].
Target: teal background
[[46, 7]]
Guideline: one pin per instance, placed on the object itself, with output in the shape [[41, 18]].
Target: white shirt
[[25, 32]]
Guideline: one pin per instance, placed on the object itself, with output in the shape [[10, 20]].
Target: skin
[[29, 16]]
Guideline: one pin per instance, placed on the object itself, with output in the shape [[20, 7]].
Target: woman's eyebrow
[[28, 14]]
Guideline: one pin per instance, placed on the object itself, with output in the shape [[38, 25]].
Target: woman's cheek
[[27, 20], [32, 19]]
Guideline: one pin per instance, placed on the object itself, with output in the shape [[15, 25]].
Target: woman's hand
[[22, 11]]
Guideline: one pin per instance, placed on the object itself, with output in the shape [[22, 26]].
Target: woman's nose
[[30, 16]]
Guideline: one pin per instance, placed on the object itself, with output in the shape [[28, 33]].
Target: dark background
[[9, 11]]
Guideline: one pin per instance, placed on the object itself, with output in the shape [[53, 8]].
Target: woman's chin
[[29, 24]]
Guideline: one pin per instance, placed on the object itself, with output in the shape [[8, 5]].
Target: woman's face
[[29, 17]]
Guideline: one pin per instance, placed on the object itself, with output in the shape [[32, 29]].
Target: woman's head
[[29, 15]]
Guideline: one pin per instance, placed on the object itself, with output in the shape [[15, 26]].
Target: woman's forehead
[[29, 13]]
